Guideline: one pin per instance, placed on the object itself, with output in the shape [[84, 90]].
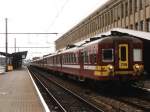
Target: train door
[[81, 60], [123, 56]]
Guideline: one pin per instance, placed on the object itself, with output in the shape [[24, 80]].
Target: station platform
[[18, 94]]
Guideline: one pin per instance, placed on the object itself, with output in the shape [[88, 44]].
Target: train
[[114, 57]]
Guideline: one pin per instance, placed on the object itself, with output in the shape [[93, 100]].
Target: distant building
[[2, 61], [131, 14]]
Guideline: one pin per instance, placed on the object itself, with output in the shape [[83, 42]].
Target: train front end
[[122, 58]]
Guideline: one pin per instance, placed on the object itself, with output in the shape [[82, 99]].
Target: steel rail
[[57, 102], [77, 96]]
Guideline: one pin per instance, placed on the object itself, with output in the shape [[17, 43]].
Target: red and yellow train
[[113, 57]]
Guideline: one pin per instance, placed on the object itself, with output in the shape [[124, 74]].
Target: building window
[[136, 26], [119, 11], [141, 4], [147, 2], [102, 21], [130, 3], [108, 18], [148, 25], [135, 5], [112, 16], [131, 26], [122, 10], [126, 9], [141, 25]]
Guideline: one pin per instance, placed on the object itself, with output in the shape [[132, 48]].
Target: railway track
[[138, 98], [60, 98], [48, 97], [135, 100], [135, 97]]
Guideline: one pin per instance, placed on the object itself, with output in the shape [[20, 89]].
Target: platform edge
[[39, 94]]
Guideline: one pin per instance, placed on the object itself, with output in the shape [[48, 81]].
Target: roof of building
[[19, 55]]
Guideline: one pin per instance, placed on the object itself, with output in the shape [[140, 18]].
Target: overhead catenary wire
[[58, 14], [26, 47], [31, 33]]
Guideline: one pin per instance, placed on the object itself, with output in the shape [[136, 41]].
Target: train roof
[[138, 34], [102, 36], [74, 49], [39, 59]]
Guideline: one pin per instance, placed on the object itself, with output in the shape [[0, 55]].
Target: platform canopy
[[15, 59], [19, 55]]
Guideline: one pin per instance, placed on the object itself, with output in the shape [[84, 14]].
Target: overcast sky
[[41, 16]]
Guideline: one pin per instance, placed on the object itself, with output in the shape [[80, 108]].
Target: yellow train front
[[116, 58]]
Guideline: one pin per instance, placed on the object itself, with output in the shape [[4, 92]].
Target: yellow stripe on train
[[99, 73]]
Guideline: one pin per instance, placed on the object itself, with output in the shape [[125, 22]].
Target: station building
[[130, 14]]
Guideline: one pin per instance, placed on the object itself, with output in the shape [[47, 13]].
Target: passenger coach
[[114, 57]]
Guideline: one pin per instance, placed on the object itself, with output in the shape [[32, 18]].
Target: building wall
[[131, 14]]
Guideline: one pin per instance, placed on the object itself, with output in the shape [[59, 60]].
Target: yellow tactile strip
[[17, 93]]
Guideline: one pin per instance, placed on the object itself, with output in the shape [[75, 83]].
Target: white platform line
[[39, 94]]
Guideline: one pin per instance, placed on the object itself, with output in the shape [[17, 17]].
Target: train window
[[86, 57], [123, 53], [65, 58], [77, 58], [69, 58], [94, 58], [74, 58], [107, 55], [137, 54], [45, 61]]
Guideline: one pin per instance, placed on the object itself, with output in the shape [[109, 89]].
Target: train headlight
[[110, 67], [137, 66]]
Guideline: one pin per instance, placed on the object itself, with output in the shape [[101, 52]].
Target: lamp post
[[6, 46], [15, 44]]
